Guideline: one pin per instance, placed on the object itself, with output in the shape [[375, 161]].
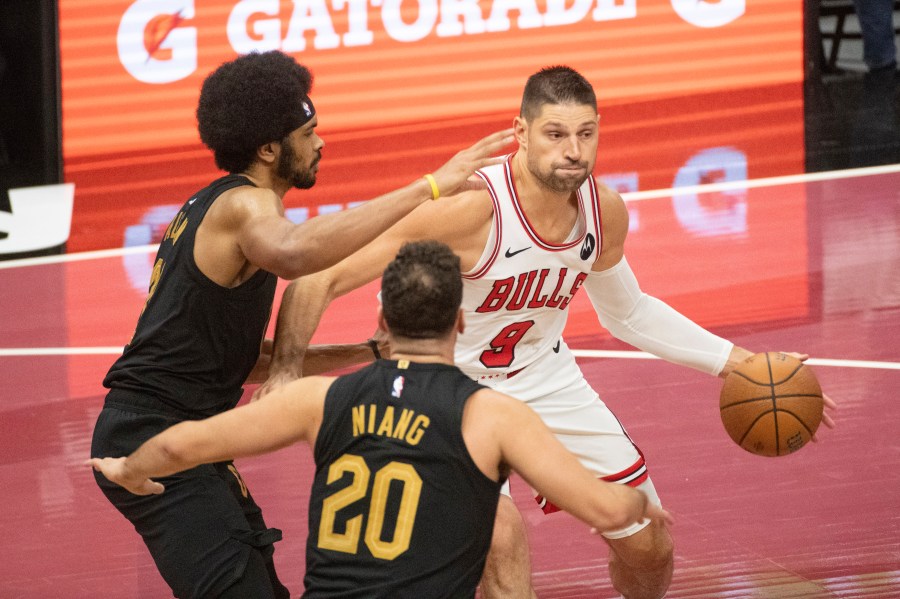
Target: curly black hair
[[250, 101], [421, 290], [555, 85]]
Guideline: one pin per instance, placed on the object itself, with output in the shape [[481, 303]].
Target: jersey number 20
[[348, 541]]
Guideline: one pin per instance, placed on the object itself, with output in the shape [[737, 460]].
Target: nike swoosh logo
[[556, 348], [510, 254]]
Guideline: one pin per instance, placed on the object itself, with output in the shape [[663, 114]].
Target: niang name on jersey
[[512, 293], [408, 427]]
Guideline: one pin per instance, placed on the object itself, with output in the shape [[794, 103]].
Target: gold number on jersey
[[348, 541], [240, 479], [155, 276], [406, 517]]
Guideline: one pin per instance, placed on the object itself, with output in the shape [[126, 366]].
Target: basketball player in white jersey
[[540, 233]]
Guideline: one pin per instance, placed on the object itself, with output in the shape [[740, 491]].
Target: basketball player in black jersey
[[210, 298], [410, 453]]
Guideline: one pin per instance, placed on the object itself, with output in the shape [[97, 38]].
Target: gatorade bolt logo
[[154, 44], [709, 13]]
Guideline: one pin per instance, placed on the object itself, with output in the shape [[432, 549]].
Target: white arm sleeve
[[650, 324]]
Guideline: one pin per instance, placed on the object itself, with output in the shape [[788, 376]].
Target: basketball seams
[[771, 380], [750, 428], [748, 379], [746, 401], [768, 397], [766, 416], [774, 404], [800, 420], [789, 376]]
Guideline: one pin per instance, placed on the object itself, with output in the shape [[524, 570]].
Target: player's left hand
[[458, 174], [829, 403], [115, 470]]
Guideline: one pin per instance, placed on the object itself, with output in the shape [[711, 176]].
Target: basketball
[[771, 404]]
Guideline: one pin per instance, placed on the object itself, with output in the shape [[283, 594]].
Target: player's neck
[[552, 213], [430, 351], [265, 179]]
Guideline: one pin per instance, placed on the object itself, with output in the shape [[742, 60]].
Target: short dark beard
[[285, 169], [556, 184]]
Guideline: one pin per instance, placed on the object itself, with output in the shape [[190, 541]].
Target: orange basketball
[[771, 404]]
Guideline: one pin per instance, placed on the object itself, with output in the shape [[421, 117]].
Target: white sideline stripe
[[136, 249], [627, 196], [765, 182], [7, 352], [639, 355]]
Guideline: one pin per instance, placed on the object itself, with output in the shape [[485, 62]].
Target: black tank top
[[195, 341], [398, 508]]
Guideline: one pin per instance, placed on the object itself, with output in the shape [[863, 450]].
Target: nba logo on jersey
[[398, 387]]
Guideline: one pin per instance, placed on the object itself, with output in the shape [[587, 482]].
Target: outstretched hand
[[115, 470], [830, 405], [457, 174]]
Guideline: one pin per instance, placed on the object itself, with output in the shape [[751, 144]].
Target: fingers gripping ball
[[771, 404]]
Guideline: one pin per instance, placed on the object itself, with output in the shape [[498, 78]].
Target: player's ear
[[268, 152], [520, 127], [460, 322], [382, 324]]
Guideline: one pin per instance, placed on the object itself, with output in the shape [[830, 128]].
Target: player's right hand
[[654, 512], [116, 471], [829, 404], [453, 177]]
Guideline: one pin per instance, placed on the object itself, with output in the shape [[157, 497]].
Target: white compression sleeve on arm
[[650, 324]]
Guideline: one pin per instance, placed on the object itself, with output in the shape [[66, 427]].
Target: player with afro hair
[[199, 338], [253, 100]]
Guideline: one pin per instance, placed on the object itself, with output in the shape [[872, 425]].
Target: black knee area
[[256, 581]]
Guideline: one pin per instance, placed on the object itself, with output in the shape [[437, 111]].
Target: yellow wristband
[[435, 192]]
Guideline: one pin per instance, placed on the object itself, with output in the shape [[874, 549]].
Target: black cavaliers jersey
[[195, 341], [398, 508]]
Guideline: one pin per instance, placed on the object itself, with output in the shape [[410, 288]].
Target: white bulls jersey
[[516, 297]]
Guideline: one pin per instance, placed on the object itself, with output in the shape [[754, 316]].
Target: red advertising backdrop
[[131, 70], [402, 84]]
